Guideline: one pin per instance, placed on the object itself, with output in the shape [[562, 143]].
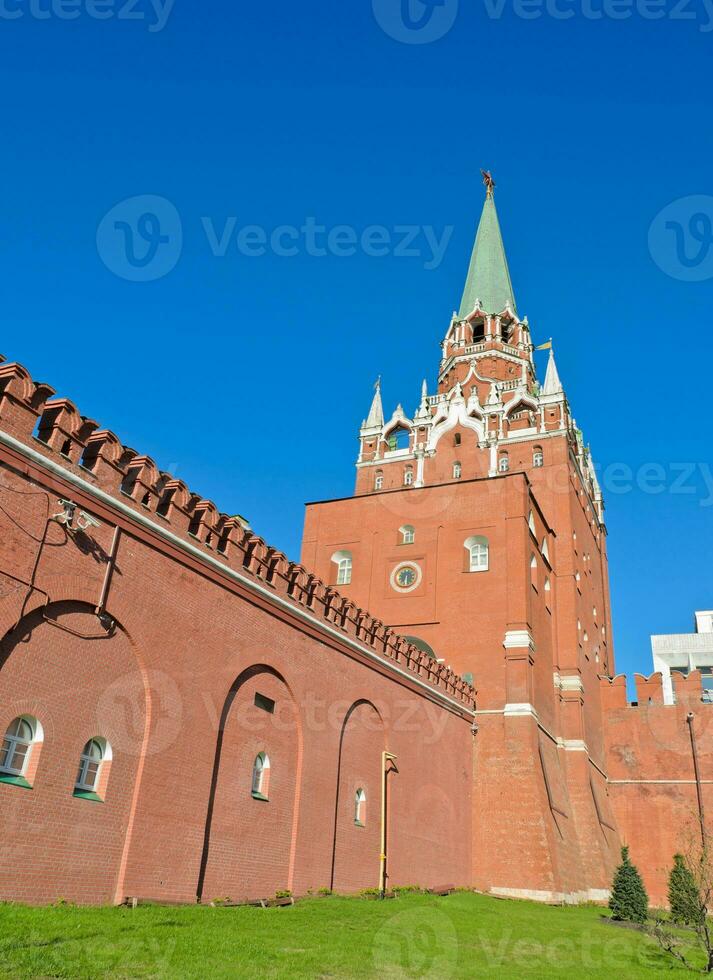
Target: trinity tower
[[477, 531]]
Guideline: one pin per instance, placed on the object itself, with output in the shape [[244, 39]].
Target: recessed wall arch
[[234, 813], [362, 740], [65, 640]]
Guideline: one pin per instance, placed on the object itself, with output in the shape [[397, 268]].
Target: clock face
[[406, 577]]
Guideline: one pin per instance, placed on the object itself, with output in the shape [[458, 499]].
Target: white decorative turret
[[552, 385], [376, 412]]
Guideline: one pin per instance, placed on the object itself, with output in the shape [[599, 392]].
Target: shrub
[[324, 891], [683, 897], [629, 901], [283, 893]]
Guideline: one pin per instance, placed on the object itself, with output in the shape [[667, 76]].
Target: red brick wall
[[651, 772], [178, 816]]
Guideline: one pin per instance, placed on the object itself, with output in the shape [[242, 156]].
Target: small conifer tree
[[629, 901], [683, 898]]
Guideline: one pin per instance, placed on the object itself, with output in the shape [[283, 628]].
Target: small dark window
[[66, 447], [90, 456], [146, 499], [129, 482], [266, 704], [164, 503], [456, 439]]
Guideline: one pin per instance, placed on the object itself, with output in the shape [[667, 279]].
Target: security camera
[[86, 520], [66, 515]]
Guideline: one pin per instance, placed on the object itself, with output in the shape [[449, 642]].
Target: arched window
[[408, 476], [533, 571], [90, 782], [343, 561], [478, 553], [456, 439], [504, 463], [531, 522], [21, 735], [408, 534], [538, 457], [399, 438], [360, 808], [457, 471], [379, 480], [261, 776], [545, 550]]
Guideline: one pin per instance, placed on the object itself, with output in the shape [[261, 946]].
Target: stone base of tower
[[533, 826]]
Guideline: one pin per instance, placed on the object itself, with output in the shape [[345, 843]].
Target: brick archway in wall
[[84, 681], [355, 862], [248, 847]]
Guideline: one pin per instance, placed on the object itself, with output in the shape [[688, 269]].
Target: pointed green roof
[[488, 274]]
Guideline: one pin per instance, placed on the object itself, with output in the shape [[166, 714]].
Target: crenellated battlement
[[688, 690], [54, 428]]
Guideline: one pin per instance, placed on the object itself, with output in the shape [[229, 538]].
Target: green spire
[[488, 275]]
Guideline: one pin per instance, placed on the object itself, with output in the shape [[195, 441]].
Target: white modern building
[[686, 652]]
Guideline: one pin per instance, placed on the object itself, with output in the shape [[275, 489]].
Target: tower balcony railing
[[487, 345]]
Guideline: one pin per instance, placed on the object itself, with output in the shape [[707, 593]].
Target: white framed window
[[343, 561], [504, 463], [457, 471], [360, 808], [17, 746], [379, 480], [478, 551], [408, 534], [408, 477], [94, 754], [261, 776], [538, 457]]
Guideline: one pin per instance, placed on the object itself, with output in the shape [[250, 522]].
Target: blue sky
[[275, 114]]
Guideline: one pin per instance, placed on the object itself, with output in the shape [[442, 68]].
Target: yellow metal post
[[386, 757]]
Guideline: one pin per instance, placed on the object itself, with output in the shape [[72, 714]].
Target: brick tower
[[476, 529]]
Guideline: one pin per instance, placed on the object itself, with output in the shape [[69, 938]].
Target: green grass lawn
[[462, 935]]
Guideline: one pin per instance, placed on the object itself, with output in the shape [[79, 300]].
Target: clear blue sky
[[276, 112]]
